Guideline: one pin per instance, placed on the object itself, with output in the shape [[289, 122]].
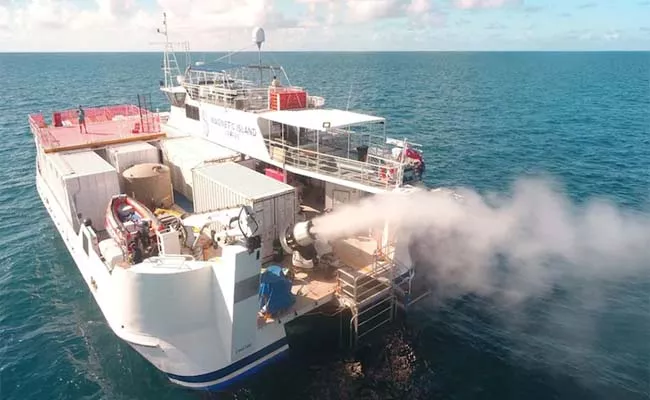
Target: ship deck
[[105, 126], [316, 288]]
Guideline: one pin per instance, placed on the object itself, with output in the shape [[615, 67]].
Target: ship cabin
[[300, 135], [348, 146]]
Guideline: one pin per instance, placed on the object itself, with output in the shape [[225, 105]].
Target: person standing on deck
[[82, 119]]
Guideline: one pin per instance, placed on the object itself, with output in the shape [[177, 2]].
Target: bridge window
[[84, 239], [192, 112], [176, 99]]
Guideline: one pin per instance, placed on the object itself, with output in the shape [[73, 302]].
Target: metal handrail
[[160, 262], [382, 173], [360, 290]]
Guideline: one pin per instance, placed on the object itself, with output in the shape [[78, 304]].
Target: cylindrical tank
[[151, 184]]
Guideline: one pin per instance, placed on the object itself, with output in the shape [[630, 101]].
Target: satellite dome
[[258, 36]]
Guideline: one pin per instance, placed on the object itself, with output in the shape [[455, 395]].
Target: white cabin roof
[[315, 118]]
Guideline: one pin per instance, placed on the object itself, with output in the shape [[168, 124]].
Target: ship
[[194, 227]]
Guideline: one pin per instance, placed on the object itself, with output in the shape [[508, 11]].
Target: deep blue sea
[[485, 119]]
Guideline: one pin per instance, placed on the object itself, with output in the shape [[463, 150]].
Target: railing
[[242, 98], [360, 287], [402, 284], [170, 261], [375, 172], [371, 295], [95, 115], [39, 129], [130, 119]]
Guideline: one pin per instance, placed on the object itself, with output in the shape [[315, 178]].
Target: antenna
[[164, 32], [166, 57], [170, 66]]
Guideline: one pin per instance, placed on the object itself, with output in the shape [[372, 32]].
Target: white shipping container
[[124, 156], [228, 185], [184, 154], [51, 169], [83, 183]]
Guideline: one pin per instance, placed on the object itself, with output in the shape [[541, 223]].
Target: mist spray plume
[[512, 246], [530, 274]]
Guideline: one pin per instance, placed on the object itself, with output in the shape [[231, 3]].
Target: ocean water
[[485, 120]]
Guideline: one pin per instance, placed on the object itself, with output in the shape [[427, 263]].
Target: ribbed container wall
[[83, 183], [209, 195], [184, 154], [229, 185]]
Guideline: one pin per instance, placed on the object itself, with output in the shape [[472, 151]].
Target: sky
[[366, 25]]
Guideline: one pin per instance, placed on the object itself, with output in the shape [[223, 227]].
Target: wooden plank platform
[[311, 290]]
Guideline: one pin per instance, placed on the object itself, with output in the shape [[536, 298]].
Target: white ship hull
[[179, 359], [195, 304]]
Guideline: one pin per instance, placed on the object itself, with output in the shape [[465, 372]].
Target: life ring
[[387, 173]]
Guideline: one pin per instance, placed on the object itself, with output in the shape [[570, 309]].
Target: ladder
[[408, 291], [370, 297]]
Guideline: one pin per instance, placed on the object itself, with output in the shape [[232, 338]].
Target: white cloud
[[471, 4], [419, 7], [116, 7], [612, 35], [360, 11], [4, 17], [127, 25], [341, 12], [45, 14]]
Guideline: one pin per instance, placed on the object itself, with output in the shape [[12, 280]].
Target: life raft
[[127, 218]]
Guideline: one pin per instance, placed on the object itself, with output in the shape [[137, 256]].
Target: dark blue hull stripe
[[234, 367], [225, 385]]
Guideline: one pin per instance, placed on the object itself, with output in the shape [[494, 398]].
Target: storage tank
[[151, 184], [124, 156]]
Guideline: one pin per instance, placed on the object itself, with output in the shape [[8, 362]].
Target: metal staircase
[[369, 295], [376, 293]]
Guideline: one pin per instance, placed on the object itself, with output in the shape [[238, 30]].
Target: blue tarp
[[275, 291]]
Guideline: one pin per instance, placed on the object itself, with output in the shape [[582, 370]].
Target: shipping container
[[83, 183], [124, 156], [182, 155], [287, 99], [228, 185]]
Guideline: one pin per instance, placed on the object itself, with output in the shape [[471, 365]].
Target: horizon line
[[336, 51]]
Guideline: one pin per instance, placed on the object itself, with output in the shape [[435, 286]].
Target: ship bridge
[[348, 146], [247, 87]]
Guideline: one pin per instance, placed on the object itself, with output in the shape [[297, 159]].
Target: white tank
[[151, 184]]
